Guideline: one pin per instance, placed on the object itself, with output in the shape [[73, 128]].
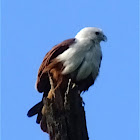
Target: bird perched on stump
[[78, 59]]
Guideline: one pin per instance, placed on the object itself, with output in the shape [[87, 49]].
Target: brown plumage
[[50, 64]]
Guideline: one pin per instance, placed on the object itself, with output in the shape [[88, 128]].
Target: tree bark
[[64, 115]]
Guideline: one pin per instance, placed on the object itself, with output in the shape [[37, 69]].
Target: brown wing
[[43, 84]]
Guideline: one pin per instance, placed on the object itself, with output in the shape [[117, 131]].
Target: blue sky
[[31, 27]]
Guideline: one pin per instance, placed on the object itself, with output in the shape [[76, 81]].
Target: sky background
[[31, 27]]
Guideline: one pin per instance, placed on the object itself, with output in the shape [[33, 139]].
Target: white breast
[[90, 64], [85, 56]]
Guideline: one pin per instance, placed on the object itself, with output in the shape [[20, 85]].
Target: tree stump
[[64, 115]]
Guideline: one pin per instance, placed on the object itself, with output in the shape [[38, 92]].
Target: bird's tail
[[36, 109]]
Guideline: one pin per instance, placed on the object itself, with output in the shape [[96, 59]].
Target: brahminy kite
[[78, 59]]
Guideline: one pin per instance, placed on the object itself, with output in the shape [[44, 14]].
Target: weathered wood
[[64, 115]]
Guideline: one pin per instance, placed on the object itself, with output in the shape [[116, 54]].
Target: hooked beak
[[104, 38]]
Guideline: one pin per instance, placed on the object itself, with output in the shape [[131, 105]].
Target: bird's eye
[[97, 33]]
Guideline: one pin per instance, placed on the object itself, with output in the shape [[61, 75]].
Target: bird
[[78, 59]]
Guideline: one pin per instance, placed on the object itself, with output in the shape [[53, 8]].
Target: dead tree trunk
[[65, 116]]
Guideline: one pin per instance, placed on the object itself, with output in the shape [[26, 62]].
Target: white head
[[91, 33]]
